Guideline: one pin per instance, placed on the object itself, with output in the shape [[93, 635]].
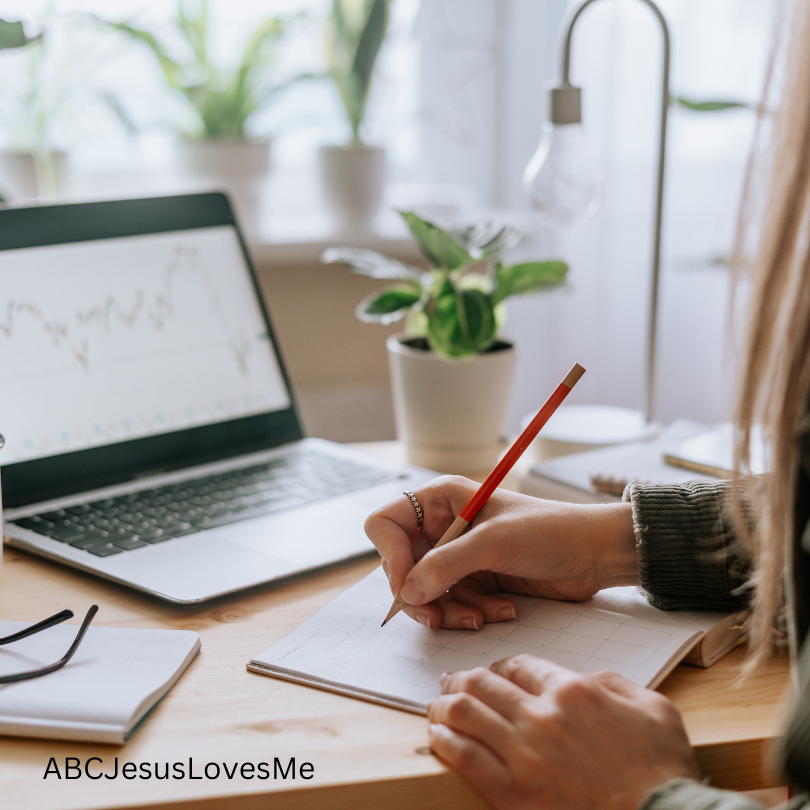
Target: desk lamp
[[562, 188]]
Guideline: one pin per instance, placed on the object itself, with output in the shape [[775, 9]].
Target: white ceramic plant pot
[[450, 413], [24, 176], [352, 180], [237, 167]]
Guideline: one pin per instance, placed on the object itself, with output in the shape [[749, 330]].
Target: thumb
[[443, 567]]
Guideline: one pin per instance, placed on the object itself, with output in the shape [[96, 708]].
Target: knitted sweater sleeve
[[688, 556], [684, 794]]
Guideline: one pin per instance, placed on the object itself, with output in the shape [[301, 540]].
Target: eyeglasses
[[57, 618]]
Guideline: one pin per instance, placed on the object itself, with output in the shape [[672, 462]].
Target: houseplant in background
[[221, 102], [450, 373], [353, 175]]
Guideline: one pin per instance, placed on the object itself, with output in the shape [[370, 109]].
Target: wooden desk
[[364, 756]]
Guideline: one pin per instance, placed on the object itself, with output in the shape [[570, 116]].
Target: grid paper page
[[343, 648]]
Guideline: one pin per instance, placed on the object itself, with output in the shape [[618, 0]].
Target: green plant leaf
[[416, 324], [710, 106], [366, 55], [119, 111], [390, 304], [368, 263], [461, 324], [528, 277], [171, 70], [223, 113], [342, 37], [259, 51], [12, 35], [355, 34], [224, 100], [439, 247], [195, 29], [476, 319], [486, 238]]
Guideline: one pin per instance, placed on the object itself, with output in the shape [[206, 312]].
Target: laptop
[[151, 432]]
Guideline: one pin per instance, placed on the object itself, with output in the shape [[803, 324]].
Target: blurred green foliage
[[224, 100], [355, 33]]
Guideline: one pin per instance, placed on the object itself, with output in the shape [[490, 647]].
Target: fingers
[[393, 527], [471, 729], [487, 687], [465, 607], [653, 702], [443, 567], [620, 685], [458, 616], [528, 672], [390, 529], [446, 612], [492, 608], [476, 762], [428, 615], [466, 716]]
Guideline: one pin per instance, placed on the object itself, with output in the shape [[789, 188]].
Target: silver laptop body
[[151, 433]]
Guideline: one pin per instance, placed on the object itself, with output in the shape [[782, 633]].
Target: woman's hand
[[531, 734], [516, 543]]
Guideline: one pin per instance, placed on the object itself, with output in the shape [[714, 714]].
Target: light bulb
[[560, 182]]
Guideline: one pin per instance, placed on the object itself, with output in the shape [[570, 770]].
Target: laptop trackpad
[[316, 534], [195, 567]]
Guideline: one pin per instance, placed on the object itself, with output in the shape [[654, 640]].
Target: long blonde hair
[[775, 383]]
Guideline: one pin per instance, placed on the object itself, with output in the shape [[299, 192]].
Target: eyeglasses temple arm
[[57, 618], [36, 673]]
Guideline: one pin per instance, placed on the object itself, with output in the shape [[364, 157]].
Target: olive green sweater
[[689, 557]]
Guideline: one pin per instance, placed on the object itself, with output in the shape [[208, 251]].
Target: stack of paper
[[112, 682]]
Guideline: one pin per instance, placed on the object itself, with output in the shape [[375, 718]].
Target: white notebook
[[343, 648], [114, 680]]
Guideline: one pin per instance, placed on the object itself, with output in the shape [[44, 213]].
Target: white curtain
[[484, 68]]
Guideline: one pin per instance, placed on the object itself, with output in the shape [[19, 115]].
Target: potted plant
[[353, 174], [30, 169], [222, 101], [450, 372]]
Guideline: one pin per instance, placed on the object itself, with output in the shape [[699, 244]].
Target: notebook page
[[343, 647]]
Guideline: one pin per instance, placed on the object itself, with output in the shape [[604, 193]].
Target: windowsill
[[292, 225]]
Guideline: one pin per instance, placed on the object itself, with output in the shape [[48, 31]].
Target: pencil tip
[[385, 621]]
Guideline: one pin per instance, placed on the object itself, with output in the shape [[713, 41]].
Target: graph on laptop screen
[[117, 339]]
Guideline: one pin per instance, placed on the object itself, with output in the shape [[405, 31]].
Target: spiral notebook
[[342, 647]]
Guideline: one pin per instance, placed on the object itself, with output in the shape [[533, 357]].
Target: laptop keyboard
[[139, 519]]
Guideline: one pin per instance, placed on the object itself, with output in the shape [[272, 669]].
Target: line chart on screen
[[129, 337]]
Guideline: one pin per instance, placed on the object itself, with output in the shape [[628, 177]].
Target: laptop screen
[[133, 340], [115, 339]]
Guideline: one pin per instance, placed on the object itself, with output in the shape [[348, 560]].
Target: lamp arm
[[659, 198]]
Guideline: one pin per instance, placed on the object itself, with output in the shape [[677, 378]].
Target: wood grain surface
[[364, 755]]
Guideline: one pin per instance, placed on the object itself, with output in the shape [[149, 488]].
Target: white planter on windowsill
[[237, 167], [352, 181], [450, 413], [25, 177]]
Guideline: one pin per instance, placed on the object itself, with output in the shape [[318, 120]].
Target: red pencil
[[489, 486]]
